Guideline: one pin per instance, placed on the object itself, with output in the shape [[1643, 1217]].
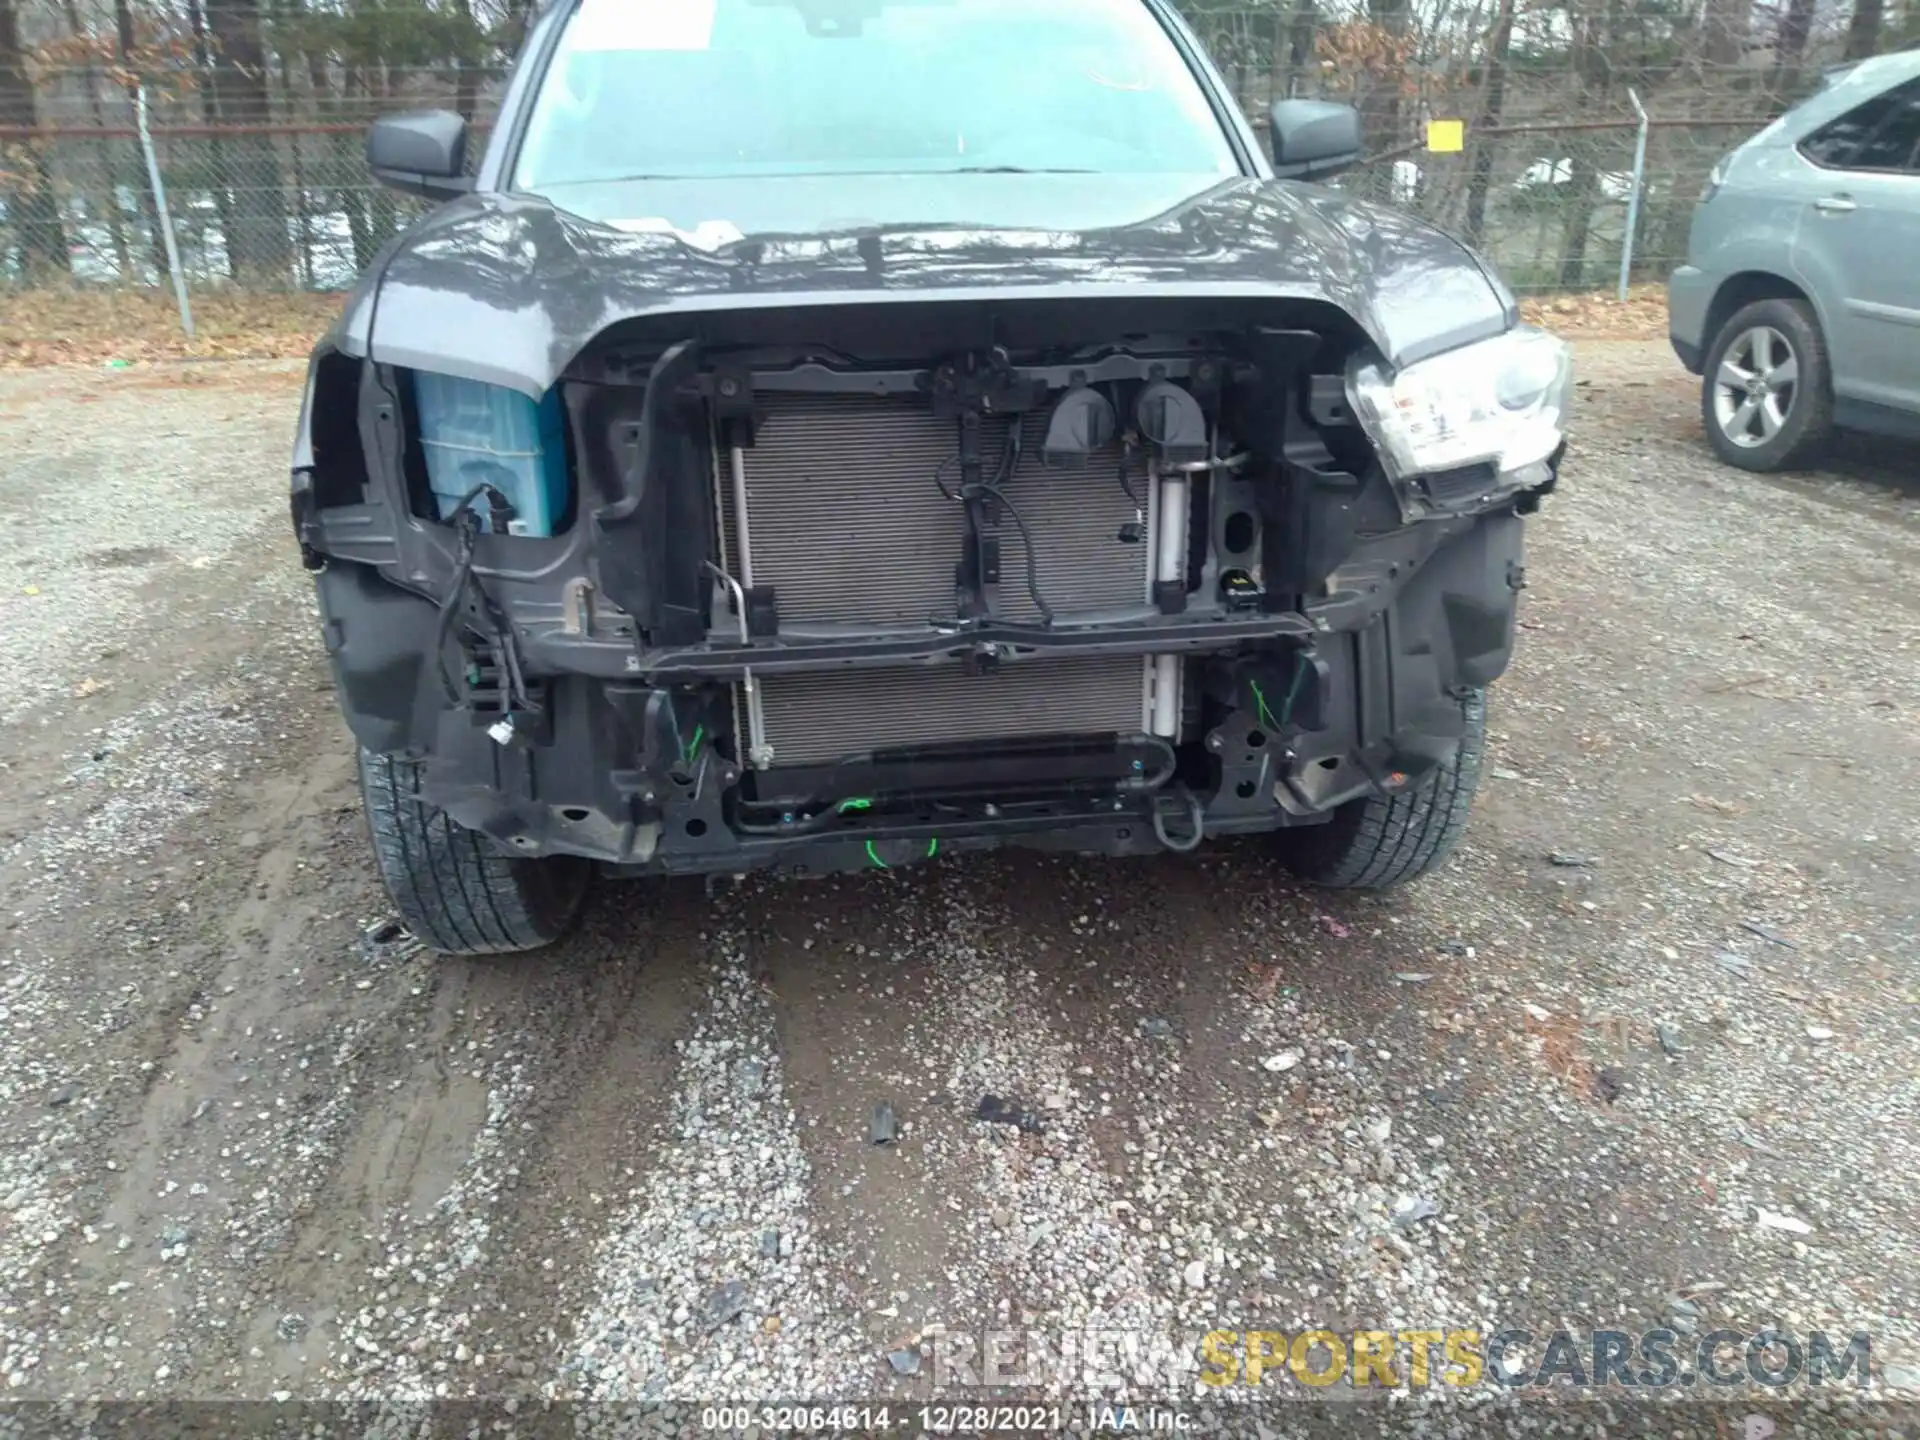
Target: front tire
[[1766, 393], [453, 891], [1382, 841]]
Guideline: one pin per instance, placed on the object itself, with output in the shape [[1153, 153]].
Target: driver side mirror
[[423, 152], [1313, 139]]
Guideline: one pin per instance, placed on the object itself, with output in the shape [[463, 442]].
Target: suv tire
[[453, 890], [1774, 346], [1382, 841]]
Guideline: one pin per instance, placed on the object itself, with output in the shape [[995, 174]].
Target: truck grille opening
[[847, 523]]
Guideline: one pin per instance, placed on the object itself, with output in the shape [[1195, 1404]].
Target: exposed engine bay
[[818, 607]]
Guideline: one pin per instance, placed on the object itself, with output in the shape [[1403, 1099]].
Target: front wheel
[[1381, 841], [1766, 394], [454, 892]]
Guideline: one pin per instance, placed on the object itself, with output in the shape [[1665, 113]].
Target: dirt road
[[249, 1149]]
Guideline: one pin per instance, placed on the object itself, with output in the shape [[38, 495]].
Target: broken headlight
[[1499, 402]]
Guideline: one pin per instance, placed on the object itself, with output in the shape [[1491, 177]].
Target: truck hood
[[508, 289]]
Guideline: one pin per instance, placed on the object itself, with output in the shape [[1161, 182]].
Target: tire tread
[[453, 891], [1382, 841]]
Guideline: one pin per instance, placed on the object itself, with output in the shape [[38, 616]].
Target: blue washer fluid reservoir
[[475, 434]]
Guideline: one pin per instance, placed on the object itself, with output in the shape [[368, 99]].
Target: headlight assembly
[[1499, 402]]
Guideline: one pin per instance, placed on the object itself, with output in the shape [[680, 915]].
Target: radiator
[[847, 524], [821, 717]]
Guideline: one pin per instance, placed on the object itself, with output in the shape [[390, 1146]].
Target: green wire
[[693, 745], [1286, 707], [849, 805], [874, 855], [1260, 698], [933, 847], [1293, 691]]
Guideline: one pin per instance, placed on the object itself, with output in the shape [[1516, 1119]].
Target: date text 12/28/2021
[[934, 1419]]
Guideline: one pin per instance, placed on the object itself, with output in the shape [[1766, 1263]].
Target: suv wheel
[[453, 890], [1378, 842], [1766, 395]]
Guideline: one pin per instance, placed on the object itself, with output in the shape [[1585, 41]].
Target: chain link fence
[[1543, 181], [272, 205], [1549, 203]]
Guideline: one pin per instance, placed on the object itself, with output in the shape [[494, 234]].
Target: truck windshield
[[768, 90]]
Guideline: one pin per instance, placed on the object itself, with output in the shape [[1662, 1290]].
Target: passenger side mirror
[[423, 152], [1313, 139]]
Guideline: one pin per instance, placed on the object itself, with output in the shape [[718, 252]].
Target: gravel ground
[[249, 1151]]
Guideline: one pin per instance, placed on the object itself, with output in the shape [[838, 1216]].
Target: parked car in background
[[1799, 304]]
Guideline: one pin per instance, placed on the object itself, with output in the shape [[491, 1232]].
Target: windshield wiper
[[1014, 170]]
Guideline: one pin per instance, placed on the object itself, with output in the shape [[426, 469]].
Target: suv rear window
[[1881, 134]]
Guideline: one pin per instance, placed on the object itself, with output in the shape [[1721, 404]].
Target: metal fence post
[[161, 213], [1633, 195]]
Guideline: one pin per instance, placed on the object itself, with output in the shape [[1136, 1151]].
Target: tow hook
[[1195, 817]]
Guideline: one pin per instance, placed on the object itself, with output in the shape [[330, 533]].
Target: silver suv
[[1799, 304]]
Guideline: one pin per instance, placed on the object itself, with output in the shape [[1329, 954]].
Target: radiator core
[[849, 526], [821, 717]]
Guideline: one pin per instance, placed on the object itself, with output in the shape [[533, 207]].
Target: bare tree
[[1796, 27], [1492, 107], [26, 180], [125, 48], [463, 92], [1725, 32], [1863, 31], [1300, 31], [257, 241], [1582, 187], [1380, 104], [104, 197]]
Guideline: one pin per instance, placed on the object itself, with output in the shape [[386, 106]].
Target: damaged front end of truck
[[835, 572]]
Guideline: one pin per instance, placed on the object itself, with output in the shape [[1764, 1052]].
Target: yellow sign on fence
[[1446, 137]]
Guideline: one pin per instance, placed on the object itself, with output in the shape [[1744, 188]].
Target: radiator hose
[[1169, 762], [1196, 820]]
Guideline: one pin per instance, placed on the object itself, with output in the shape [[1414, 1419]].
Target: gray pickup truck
[[837, 434]]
